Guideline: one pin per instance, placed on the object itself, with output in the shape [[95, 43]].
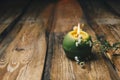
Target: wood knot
[[19, 49]]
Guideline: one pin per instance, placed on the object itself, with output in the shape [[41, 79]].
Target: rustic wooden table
[[31, 35]]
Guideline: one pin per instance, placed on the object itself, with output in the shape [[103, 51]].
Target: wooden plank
[[112, 35], [25, 56], [113, 6], [12, 33], [61, 67], [11, 15], [102, 30], [112, 39]]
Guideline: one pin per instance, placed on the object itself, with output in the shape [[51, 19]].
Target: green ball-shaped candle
[[77, 43]]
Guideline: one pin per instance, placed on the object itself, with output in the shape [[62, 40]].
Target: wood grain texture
[[112, 35], [107, 31], [24, 57], [33, 50], [112, 39]]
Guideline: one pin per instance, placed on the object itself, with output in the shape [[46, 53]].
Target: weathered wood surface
[[32, 49], [103, 29], [24, 54], [9, 14]]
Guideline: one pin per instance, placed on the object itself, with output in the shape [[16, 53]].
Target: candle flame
[[78, 34], [78, 30]]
